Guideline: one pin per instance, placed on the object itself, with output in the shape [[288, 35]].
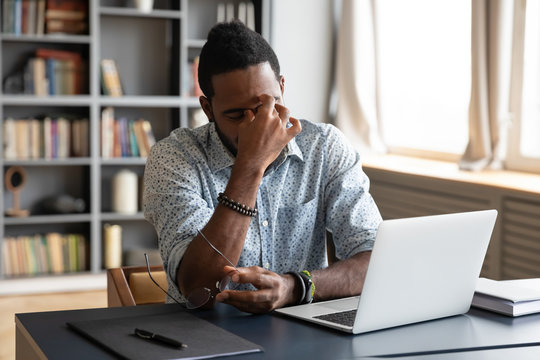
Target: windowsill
[[504, 179]]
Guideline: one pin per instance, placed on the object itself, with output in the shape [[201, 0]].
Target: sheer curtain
[[356, 76], [491, 46], [490, 88]]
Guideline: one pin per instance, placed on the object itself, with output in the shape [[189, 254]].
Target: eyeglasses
[[199, 296]]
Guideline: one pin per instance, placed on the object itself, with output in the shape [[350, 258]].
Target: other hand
[[273, 290]]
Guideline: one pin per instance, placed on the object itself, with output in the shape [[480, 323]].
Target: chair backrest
[[131, 285]]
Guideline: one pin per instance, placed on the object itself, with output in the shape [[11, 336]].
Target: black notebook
[[203, 339]]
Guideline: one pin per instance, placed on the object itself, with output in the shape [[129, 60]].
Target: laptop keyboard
[[343, 317]]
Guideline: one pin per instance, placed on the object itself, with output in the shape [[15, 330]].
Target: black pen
[[145, 334]]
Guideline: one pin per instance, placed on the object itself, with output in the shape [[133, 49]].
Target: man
[[261, 186]]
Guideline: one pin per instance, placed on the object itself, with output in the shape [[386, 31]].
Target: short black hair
[[232, 46]]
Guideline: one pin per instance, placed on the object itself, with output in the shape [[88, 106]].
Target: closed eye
[[235, 115]]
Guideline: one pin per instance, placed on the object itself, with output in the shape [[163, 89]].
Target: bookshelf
[[153, 52]]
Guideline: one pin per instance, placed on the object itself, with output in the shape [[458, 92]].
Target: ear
[[207, 108], [282, 84]]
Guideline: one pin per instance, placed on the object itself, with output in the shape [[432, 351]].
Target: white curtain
[[356, 76], [491, 46], [489, 102]]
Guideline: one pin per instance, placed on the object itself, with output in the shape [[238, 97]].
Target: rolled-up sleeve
[[351, 213]]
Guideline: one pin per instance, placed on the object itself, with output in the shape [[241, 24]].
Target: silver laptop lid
[[423, 268]]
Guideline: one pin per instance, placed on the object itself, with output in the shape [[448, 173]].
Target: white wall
[[301, 35]]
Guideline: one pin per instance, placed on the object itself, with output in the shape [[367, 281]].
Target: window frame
[[515, 160]]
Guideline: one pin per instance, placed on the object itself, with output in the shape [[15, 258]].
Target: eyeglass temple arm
[[155, 282], [215, 249]]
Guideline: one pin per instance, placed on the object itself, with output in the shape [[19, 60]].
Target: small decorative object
[[62, 204], [112, 246], [125, 192], [144, 6], [14, 179]]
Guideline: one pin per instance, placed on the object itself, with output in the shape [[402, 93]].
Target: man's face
[[236, 92]]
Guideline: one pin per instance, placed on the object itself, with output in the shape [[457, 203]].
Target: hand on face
[[263, 135], [273, 290]]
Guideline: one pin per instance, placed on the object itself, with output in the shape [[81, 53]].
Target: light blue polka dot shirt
[[316, 184]]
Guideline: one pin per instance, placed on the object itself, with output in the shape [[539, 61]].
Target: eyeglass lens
[[201, 296]]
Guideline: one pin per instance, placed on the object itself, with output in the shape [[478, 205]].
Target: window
[[530, 103], [530, 107], [424, 67]]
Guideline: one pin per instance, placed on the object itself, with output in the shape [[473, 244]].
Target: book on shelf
[[107, 132], [40, 81], [35, 136], [117, 137], [110, 78], [17, 13], [134, 147], [65, 71], [66, 16], [21, 137], [140, 138], [56, 26], [24, 17], [80, 146], [40, 17], [54, 72], [245, 13], [508, 297], [149, 139], [8, 10], [51, 253], [124, 137], [63, 137], [10, 146], [48, 138]]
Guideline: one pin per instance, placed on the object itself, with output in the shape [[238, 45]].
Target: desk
[[45, 335]]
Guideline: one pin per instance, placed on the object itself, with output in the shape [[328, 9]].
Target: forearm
[[226, 230], [341, 279], [344, 278]]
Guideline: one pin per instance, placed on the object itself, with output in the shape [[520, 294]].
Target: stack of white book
[[508, 297]]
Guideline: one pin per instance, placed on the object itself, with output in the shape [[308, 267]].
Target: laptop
[[421, 268]]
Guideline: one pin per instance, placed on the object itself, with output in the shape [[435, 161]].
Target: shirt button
[[265, 223], [267, 265]]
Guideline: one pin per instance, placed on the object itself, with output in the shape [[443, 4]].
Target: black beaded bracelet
[[236, 206]]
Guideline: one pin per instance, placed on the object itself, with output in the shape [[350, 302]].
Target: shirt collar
[[219, 157]]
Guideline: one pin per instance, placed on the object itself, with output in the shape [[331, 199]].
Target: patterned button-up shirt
[[316, 184]]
